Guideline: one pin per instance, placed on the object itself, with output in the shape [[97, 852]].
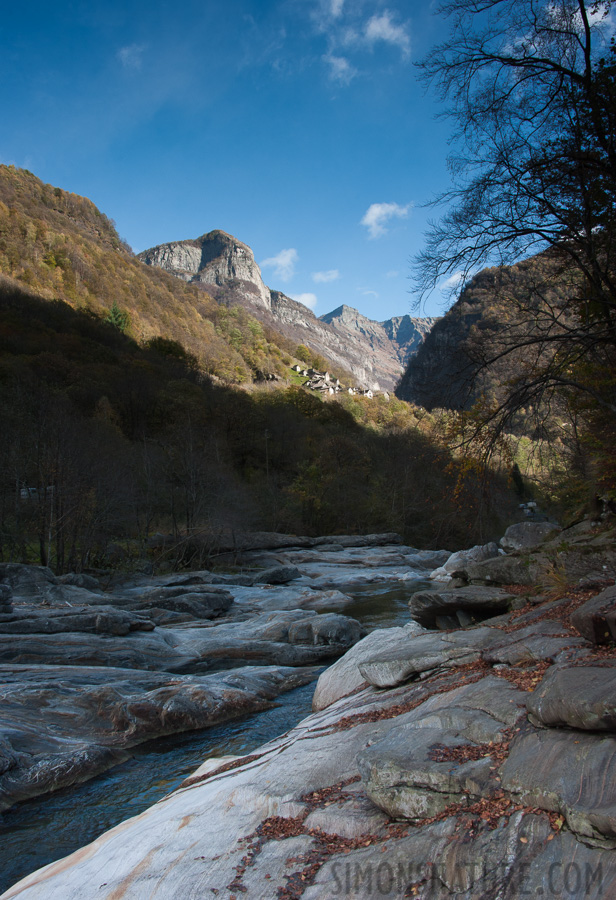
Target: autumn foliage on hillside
[[59, 246], [108, 440]]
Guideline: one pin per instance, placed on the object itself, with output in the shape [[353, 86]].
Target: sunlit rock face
[[374, 353], [214, 259]]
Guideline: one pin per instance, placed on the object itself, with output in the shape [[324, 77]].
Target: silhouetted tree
[[531, 89]]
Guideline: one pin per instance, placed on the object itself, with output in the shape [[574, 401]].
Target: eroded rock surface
[[435, 787], [62, 725]]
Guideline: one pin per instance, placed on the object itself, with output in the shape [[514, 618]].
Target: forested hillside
[[61, 247], [108, 440]]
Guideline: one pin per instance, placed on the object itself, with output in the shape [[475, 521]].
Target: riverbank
[[470, 762]]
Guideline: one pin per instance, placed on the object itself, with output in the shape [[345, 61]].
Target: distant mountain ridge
[[376, 353]]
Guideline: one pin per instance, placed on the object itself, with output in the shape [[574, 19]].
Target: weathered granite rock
[[293, 637], [6, 604], [242, 826], [567, 772], [79, 579], [27, 581], [525, 569], [524, 535], [596, 619], [95, 620], [427, 652], [537, 641], [483, 602], [462, 558], [427, 559], [277, 575], [63, 725], [400, 773], [582, 696], [519, 857], [344, 677]]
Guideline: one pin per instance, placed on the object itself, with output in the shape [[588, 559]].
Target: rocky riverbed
[[468, 753], [90, 668]]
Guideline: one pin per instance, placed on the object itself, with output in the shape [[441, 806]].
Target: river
[[39, 831]]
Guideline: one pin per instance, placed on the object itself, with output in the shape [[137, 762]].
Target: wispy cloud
[[283, 264], [370, 294], [393, 273], [350, 32], [340, 69], [322, 277], [383, 28], [131, 56], [309, 300], [453, 282], [379, 214]]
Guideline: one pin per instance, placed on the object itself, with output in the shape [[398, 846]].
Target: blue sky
[[297, 126]]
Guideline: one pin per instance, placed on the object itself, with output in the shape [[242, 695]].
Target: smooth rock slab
[[581, 696], [541, 640], [94, 620], [61, 726], [344, 677], [294, 637], [520, 858], [426, 653], [568, 772], [403, 779]]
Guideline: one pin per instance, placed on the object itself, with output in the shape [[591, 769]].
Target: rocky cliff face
[[374, 352], [382, 348], [216, 259], [499, 307]]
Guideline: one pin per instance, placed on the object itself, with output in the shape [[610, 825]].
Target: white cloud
[[283, 264], [322, 277], [382, 28], [453, 282], [393, 273], [340, 69], [378, 214], [309, 300], [131, 56], [335, 8], [370, 294]]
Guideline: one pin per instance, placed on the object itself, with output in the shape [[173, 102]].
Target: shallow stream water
[[42, 830]]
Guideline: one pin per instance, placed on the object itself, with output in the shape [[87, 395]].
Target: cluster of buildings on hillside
[[325, 384]]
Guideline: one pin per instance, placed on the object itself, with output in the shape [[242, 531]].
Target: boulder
[[427, 559], [277, 575], [325, 630], [479, 602], [462, 558], [525, 569], [27, 581], [581, 696], [596, 619], [80, 579], [344, 677], [525, 535]]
